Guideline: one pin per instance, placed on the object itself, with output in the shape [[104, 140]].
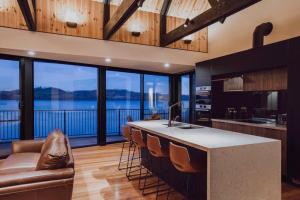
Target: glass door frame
[[191, 75]]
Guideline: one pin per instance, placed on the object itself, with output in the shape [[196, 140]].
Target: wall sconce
[[71, 24], [188, 39], [135, 33], [71, 16], [136, 27]]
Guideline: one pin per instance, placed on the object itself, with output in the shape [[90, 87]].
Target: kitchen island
[[239, 166]]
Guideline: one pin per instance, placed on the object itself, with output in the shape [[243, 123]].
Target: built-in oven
[[203, 105]]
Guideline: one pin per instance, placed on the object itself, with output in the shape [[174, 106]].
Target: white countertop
[[205, 138]]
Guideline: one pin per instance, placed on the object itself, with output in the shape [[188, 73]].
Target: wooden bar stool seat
[[157, 151], [182, 161], [155, 148]]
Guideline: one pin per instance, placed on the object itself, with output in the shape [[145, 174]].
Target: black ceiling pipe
[[260, 31]]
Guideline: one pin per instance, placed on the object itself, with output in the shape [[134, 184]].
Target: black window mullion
[[101, 127], [26, 101], [142, 100]]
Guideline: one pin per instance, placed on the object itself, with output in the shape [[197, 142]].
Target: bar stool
[[182, 161], [139, 144], [127, 140], [156, 150]]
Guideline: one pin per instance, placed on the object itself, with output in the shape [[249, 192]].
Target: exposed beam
[[106, 12], [224, 9], [28, 10], [214, 3], [124, 11], [163, 17]]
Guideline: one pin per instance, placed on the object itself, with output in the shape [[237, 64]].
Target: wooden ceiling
[[178, 8]]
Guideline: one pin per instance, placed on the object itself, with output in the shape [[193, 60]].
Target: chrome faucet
[[179, 103]]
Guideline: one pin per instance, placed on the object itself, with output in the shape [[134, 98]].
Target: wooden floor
[[97, 177]]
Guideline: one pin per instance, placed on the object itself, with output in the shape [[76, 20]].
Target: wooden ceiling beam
[[122, 14], [214, 3], [28, 10], [106, 12], [224, 9], [163, 17]]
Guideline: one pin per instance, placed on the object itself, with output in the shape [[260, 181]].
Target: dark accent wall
[[281, 54], [293, 139]]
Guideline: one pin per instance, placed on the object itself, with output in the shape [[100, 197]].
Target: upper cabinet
[[266, 80]]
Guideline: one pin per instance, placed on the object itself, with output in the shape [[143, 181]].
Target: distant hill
[[58, 94], [10, 95]]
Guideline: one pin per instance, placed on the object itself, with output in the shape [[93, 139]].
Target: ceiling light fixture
[[108, 60], [167, 65], [187, 23], [31, 53], [140, 3]]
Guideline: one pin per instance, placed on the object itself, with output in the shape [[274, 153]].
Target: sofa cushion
[[19, 162], [54, 154]]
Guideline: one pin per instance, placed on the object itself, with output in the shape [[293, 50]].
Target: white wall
[[236, 33], [92, 51]]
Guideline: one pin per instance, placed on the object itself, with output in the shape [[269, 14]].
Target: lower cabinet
[[258, 131]]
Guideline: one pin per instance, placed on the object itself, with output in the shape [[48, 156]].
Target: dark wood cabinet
[[266, 80]]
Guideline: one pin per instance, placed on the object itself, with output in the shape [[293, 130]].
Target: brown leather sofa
[[21, 178]]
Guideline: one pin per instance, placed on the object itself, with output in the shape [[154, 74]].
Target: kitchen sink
[[189, 127], [176, 124]]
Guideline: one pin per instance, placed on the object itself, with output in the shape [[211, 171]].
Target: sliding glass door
[[185, 97], [122, 102], [9, 104], [65, 97], [156, 96]]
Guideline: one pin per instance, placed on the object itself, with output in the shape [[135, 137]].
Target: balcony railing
[[74, 123]]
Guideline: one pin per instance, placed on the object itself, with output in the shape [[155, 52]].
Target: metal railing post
[[65, 122], [119, 121]]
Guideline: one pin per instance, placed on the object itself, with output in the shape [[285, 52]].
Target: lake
[[75, 118]]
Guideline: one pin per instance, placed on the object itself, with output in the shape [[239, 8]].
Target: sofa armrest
[[7, 180], [24, 146]]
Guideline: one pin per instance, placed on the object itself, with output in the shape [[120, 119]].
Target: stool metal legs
[[122, 153]]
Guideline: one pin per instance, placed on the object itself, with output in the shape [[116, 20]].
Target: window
[[156, 96], [65, 97], [122, 100], [185, 97], [9, 104]]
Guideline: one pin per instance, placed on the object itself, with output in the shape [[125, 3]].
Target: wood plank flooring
[[97, 177]]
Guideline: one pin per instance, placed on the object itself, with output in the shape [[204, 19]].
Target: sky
[[9, 75], [185, 85], [65, 77], [74, 77], [123, 80]]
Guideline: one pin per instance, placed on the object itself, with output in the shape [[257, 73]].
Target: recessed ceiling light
[[167, 65], [31, 53], [108, 60]]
